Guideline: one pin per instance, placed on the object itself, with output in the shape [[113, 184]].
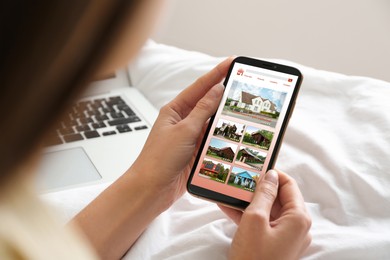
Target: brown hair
[[48, 51]]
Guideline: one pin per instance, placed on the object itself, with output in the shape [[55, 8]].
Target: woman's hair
[[48, 52]]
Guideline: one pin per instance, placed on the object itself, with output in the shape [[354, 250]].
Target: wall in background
[[347, 36]]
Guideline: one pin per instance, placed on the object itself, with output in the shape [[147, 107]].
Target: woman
[[49, 52]]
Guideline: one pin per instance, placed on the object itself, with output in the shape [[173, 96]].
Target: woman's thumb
[[265, 193]]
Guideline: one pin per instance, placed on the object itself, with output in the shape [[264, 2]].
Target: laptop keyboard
[[96, 118]]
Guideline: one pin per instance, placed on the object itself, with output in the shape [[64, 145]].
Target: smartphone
[[243, 138]]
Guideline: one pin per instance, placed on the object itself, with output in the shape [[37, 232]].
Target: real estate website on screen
[[244, 132]]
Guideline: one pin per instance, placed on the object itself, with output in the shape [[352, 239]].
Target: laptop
[[100, 137]]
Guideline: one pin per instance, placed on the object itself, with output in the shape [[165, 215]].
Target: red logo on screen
[[289, 80], [240, 72]]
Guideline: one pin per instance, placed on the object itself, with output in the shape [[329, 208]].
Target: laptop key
[[141, 127], [123, 128], [96, 105], [82, 128], [84, 104], [93, 113], [115, 98], [115, 115], [109, 133], [122, 121], [99, 100], [70, 123], [91, 134], [122, 106], [73, 138], [66, 131], [108, 109], [86, 120], [115, 101], [98, 125], [101, 118], [128, 111]]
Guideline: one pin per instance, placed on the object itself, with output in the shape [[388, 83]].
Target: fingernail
[[272, 176], [220, 87], [218, 90]]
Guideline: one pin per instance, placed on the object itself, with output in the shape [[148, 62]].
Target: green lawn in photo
[[264, 144], [214, 155]]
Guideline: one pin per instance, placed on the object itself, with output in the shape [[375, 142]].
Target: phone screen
[[246, 131]]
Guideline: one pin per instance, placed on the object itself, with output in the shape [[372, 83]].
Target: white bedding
[[337, 147]]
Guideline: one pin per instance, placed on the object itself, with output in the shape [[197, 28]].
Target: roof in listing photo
[[250, 158], [257, 137], [243, 179], [222, 150], [214, 170], [254, 103]]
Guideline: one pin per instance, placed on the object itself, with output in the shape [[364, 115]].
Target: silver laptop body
[[98, 149]]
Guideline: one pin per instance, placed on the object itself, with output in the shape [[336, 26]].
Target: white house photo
[[254, 103], [255, 98]]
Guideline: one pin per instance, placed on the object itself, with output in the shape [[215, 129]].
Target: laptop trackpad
[[65, 168]]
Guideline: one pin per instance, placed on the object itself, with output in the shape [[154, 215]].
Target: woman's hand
[[118, 216], [167, 157], [275, 225]]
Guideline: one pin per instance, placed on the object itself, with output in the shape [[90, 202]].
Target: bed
[[337, 147]]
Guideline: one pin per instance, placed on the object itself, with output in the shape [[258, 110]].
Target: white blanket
[[337, 147]]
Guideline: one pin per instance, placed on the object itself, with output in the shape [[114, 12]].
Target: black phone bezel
[[222, 198]]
